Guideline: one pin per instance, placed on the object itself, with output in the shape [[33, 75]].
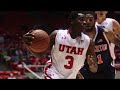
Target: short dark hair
[[73, 15], [90, 12]]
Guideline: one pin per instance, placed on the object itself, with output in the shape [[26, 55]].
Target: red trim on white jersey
[[46, 76]]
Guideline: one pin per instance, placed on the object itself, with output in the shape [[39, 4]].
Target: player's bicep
[[52, 39], [116, 27]]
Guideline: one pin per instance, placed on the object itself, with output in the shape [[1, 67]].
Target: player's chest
[[67, 40]]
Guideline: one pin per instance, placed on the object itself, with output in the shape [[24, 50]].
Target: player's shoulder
[[62, 31], [59, 31], [114, 21], [85, 37], [110, 19]]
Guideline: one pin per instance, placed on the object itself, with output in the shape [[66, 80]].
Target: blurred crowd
[[13, 49], [13, 52]]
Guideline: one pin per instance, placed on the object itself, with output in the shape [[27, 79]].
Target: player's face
[[78, 22], [101, 14], [89, 22]]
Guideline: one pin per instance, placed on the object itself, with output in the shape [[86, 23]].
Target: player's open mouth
[[101, 13]]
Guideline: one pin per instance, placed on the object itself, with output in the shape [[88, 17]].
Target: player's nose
[[84, 22]]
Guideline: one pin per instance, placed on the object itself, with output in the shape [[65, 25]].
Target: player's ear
[[71, 22], [106, 12], [95, 12]]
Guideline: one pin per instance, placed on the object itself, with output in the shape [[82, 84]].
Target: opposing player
[[109, 23], [69, 49], [104, 39]]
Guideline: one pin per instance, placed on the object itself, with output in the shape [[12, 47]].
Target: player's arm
[[112, 37], [91, 57], [116, 27], [27, 39]]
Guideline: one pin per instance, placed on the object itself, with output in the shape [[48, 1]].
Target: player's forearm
[[91, 58], [112, 37]]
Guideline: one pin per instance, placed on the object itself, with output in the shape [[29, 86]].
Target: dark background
[[23, 21]]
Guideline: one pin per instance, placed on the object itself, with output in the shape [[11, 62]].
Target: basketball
[[40, 42]]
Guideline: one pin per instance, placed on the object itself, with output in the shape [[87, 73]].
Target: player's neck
[[92, 33], [100, 20], [74, 33]]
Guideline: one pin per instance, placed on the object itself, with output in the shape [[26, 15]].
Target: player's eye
[[81, 19], [90, 19]]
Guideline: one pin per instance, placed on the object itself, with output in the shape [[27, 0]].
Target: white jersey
[[68, 55], [108, 24]]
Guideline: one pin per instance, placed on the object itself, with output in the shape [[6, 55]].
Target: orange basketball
[[41, 41]]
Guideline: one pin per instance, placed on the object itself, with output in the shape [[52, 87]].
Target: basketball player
[[109, 23], [104, 39], [69, 49]]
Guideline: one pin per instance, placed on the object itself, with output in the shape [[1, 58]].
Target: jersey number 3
[[70, 62]]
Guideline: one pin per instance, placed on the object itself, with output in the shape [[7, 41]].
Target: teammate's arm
[[27, 39], [116, 27], [91, 57], [112, 37]]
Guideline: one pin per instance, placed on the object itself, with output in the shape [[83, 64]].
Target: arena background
[[14, 24]]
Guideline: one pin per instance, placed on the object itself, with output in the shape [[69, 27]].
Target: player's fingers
[[30, 31], [90, 59], [28, 39], [88, 56], [29, 34], [27, 42]]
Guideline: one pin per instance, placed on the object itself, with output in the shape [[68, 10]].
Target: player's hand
[[28, 38], [90, 60], [92, 64], [111, 35]]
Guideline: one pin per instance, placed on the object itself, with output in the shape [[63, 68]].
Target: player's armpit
[[91, 57], [116, 27]]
